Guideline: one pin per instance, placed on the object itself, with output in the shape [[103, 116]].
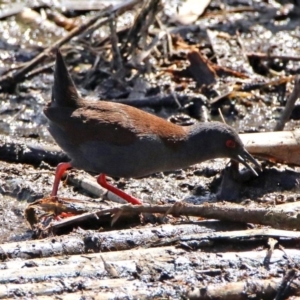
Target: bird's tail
[[64, 91]]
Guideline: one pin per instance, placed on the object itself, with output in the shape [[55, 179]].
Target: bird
[[118, 140]]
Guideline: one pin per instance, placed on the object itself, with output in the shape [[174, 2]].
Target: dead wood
[[8, 81], [259, 289], [129, 259], [89, 184], [289, 282], [280, 147], [40, 70], [25, 151], [96, 242], [284, 216], [86, 273], [163, 235]]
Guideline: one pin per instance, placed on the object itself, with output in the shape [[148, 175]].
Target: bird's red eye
[[230, 144]]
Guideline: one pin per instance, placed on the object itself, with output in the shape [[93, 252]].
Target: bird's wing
[[113, 123]]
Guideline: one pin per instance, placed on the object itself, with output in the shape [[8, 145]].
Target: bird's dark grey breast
[[110, 140]]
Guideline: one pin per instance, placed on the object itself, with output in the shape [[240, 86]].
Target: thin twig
[[290, 103], [221, 115], [144, 19], [117, 61]]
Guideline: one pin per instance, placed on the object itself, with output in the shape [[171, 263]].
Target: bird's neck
[[200, 143]]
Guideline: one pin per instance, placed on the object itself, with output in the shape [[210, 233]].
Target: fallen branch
[[278, 216], [93, 241], [26, 151], [191, 235], [257, 288], [87, 276]]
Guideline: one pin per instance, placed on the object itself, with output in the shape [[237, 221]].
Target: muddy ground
[[226, 33], [253, 51]]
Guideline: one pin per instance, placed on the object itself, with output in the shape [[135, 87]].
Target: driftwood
[[259, 289], [280, 147], [205, 233], [99, 242], [127, 289], [81, 287], [138, 270]]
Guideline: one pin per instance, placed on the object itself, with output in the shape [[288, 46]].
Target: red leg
[[102, 181], [60, 170]]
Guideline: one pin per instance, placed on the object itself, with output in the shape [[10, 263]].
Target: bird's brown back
[[114, 123]]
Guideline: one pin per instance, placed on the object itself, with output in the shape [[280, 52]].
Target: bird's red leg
[[60, 170], [102, 181]]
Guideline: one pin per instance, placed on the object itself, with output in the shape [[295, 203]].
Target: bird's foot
[[60, 170], [102, 181]]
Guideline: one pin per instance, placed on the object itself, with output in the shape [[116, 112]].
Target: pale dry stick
[[176, 99], [290, 103], [279, 146], [221, 115]]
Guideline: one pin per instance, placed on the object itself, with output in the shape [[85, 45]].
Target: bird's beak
[[244, 156]]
